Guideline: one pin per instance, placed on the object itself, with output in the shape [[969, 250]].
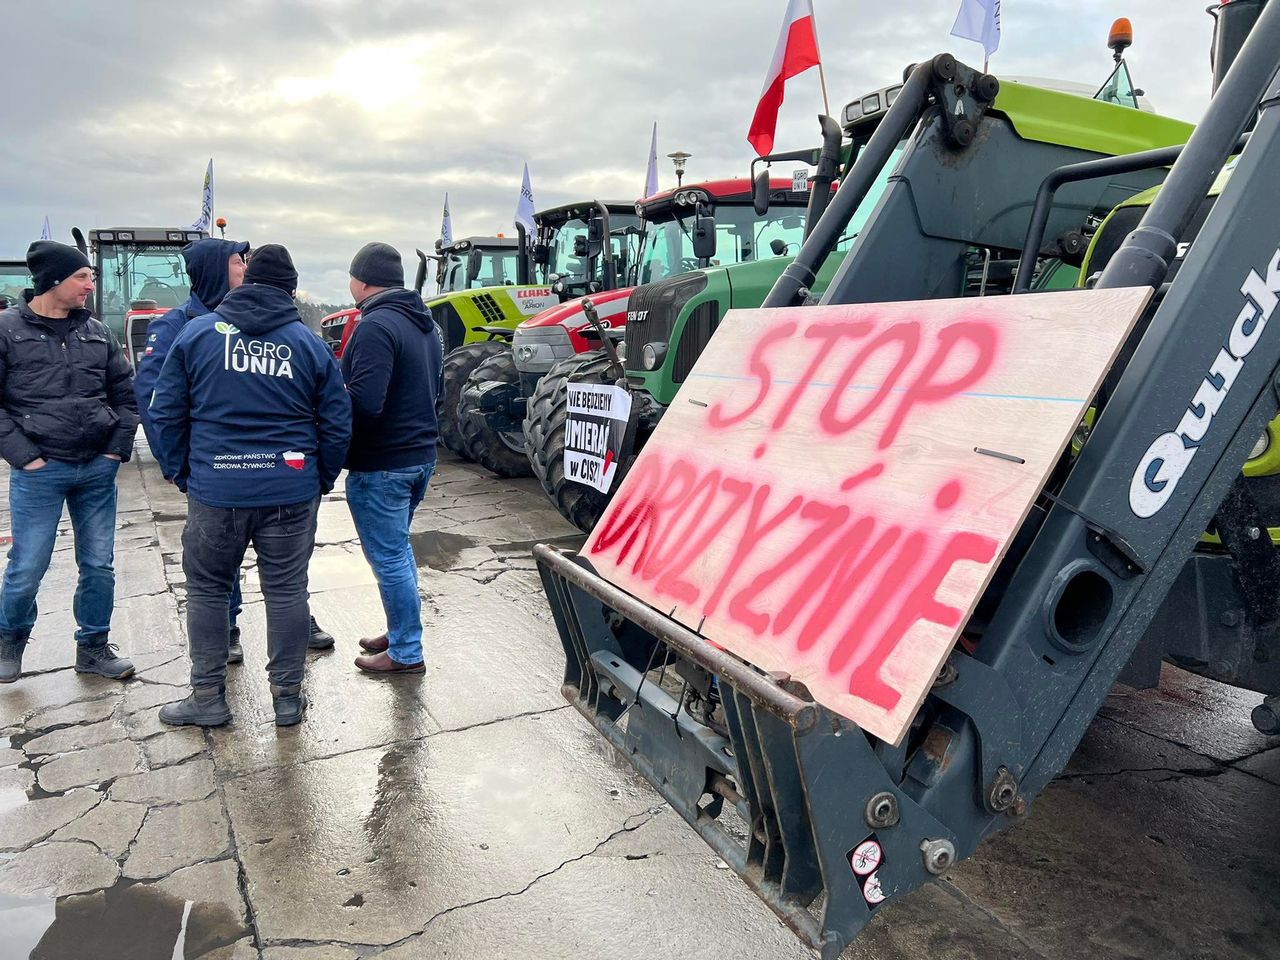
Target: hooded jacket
[[392, 367], [62, 399], [207, 268], [249, 409]]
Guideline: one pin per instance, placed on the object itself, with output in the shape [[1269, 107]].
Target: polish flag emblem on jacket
[[294, 459]]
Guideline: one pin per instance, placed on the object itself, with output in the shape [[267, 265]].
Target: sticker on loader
[[866, 858], [593, 433], [833, 487]]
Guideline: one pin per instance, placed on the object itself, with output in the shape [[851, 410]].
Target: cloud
[[339, 121]]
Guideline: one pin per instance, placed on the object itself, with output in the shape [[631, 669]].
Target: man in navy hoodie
[[393, 368], [215, 268], [252, 422]]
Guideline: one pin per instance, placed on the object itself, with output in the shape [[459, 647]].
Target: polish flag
[[294, 459], [796, 52]]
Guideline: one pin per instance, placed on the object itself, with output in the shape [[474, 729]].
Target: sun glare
[[372, 76]]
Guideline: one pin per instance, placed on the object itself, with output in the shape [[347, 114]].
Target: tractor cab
[[475, 262], [586, 247], [14, 279], [141, 275]]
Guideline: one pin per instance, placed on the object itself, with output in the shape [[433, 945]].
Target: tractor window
[[455, 274], [14, 279], [566, 257], [128, 273], [1119, 88], [667, 252], [497, 268]]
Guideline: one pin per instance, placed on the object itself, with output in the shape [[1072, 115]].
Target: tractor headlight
[[1261, 447], [652, 355], [524, 353]]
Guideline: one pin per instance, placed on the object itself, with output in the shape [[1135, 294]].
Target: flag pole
[[822, 76]]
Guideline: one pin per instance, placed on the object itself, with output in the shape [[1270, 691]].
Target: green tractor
[[14, 279]]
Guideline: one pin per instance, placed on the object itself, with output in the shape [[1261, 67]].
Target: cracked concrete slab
[[78, 737], [178, 836], [380, 839], [84, 711], [324, 952], [23, 825], [174, 746], [182, 783], [109, 826], [38, 694], [143, 696], [58, 869], [1265, 765], [91, 766], [214, 885]]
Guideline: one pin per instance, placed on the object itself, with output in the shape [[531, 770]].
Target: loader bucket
[[794, 798]]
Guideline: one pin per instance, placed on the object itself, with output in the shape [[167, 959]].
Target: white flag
[[206, 203], [524, 207], [446, 226], [651, 177], [979, 21], [45, 232]]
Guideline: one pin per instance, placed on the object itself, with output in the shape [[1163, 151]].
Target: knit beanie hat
[[272, 265], [51, 262], [378, 265]]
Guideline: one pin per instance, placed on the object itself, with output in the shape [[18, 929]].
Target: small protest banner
[[833, 487], [596, 426]]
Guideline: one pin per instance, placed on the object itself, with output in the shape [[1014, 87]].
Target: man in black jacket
[[392, 367], [67, 422]]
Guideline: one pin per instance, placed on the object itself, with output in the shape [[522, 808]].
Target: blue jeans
[[36, 498], [382, 504]]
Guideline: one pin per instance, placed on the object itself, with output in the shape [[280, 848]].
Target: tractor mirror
[[474, 259], [778, 246], [760, 193], [595, 236], [704, 237], [541, 254], [579, 246]]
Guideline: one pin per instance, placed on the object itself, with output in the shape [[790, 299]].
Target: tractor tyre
[[501, 452], [544, 427], [457, 367]]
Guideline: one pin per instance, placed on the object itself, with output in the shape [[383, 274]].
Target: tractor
[[15, 279], [1107, 567], [684, 229], [141, 275]]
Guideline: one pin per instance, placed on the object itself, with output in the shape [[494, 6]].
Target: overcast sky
[[334, 122]]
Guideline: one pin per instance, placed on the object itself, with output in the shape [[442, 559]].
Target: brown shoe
[[374, 644], [382, 663]]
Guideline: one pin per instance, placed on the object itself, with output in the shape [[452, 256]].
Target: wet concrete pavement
[[471, 813]]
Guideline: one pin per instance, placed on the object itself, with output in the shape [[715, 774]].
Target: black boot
[[206, 707], [102, 659], [11, 647], [320, 638], [235, 652], [290, 704]]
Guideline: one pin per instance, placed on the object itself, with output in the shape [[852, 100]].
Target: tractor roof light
[[173, 235], [124, 235], [853, 112], [106, 235], [871, 104], [1120, 37]]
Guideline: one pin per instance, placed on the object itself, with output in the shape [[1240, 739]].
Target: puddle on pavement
[[439, 549], [128, 921]]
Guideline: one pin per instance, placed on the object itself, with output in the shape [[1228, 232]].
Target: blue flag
[[979, 21], [651, 176], [524, 206], [446, 226], [206, 204]]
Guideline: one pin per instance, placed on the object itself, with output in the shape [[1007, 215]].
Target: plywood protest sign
[[834, 486]]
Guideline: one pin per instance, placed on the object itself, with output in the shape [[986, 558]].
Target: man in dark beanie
[[252, 422], [215, 268], [68, 422], [392, 366]]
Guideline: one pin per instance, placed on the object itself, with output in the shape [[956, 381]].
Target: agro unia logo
[[254, 356]]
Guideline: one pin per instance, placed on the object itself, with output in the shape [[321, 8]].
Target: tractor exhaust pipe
[[1233, 21]]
